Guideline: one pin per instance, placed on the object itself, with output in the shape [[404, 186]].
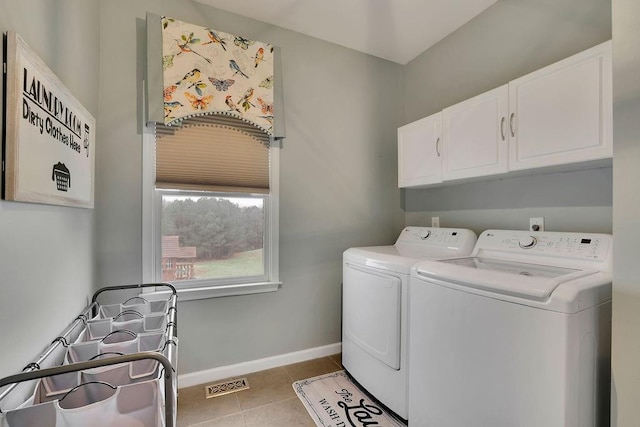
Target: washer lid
[[531, 281]]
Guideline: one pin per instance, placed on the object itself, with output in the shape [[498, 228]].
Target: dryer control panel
[[431, 234], [436, 237]]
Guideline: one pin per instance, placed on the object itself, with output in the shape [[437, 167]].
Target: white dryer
[[375, 301], [518, 334]]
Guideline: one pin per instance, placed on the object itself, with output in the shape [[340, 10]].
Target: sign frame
[[49, 139]]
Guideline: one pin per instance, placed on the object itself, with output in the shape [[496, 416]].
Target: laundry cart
[[114, 365]]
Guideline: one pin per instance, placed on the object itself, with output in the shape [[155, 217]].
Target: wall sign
[[50, 137]]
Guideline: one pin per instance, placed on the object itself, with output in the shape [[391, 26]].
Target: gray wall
[[508, 40], [626, 204], [338, 182], [338, 172], [47, 252]]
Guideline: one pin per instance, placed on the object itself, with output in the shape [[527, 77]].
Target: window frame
[[152, 239]]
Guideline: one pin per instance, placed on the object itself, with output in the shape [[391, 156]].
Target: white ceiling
[[396, 30]]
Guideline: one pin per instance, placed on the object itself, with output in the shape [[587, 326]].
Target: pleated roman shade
[[211, 158], [198, 74]]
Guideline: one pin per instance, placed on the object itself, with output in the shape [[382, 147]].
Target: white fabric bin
[[98, 329], [95, 405]]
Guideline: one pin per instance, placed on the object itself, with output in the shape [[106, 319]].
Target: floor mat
[[333, 400]]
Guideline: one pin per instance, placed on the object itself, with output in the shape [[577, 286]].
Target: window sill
[[189, 294]]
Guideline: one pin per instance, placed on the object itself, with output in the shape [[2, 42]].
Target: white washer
[[375, 301], [518, 334]]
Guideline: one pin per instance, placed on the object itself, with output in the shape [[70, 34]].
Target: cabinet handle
[[513, 131], [502, 128], [438, 147]]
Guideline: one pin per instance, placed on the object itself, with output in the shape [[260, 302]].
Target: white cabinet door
[[562, 113], [475, 136], [419, 152]]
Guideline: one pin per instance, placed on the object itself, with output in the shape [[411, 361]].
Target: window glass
[[209, 236]]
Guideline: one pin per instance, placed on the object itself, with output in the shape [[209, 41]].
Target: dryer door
[[371, 312]]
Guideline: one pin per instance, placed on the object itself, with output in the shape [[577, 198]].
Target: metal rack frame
[[32, 371]]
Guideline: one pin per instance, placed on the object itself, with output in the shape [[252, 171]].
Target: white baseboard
[[216, 374]]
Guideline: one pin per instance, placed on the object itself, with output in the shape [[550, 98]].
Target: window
[[210, 225], [212, 236]]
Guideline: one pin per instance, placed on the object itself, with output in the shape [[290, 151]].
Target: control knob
[[425, 234], [528, 242]]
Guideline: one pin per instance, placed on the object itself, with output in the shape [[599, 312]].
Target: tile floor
[[270, 401]]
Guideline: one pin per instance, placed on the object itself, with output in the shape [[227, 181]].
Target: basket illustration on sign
[[61, 176]]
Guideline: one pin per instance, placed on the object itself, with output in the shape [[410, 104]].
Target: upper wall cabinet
[[562, 113], [475, 136], [420, 152], [557, 117]]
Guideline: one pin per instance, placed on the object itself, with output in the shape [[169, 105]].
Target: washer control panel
[[567, 245]]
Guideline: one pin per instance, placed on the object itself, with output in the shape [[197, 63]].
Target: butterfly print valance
[[210, 72]]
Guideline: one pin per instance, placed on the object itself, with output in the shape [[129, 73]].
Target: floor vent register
[[226, 387]]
